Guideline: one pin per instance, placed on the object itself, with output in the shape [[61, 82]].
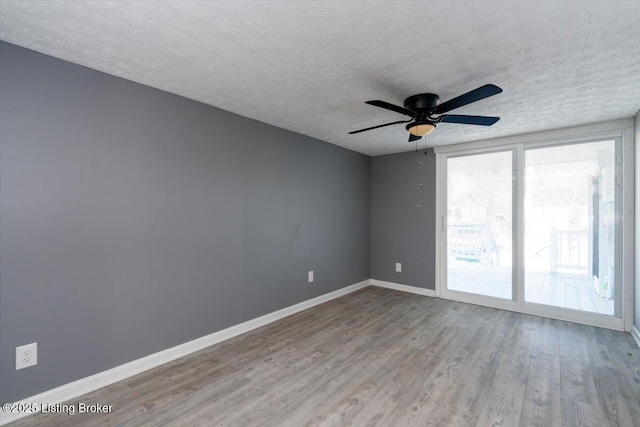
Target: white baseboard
[[102, 379], [635, 333], [403, 288]]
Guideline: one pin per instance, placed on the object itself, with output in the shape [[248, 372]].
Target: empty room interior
[[299, 213]]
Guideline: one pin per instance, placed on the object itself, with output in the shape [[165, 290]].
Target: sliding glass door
[[535, 228], [479, 224], [570, 206]]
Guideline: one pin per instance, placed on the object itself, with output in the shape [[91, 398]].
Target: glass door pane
[[570, 227], [479, 224]]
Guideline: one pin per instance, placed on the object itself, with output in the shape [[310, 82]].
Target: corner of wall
[[637, 216]]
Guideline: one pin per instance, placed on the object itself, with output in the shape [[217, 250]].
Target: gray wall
[[400, 230], [637, 210], [133, 220]]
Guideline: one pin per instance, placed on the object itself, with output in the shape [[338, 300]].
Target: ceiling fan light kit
[[426, 111], [421, 128]]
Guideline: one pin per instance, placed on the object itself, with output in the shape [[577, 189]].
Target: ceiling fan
[[426, 111]]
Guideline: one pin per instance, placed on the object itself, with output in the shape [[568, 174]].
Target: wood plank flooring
[[382, 357]]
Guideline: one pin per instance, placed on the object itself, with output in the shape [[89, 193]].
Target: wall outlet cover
[[398, 267], [26, 355], [310, 276]]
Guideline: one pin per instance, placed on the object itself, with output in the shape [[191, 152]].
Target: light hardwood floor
[[382, 357]]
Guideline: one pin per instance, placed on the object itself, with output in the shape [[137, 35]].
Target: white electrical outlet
[[398, 267], [26, 355], [310, 276]]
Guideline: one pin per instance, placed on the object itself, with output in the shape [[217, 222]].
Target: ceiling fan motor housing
[[422, 103]]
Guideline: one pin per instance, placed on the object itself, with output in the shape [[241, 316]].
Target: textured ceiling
[[309, 66]]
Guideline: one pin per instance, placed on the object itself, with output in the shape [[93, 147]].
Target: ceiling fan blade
[[468, 120], [391, 107], [379, 126], [413, 137], [469, 97]]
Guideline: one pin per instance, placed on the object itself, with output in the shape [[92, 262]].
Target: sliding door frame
[[444, 292], [622, 131]]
